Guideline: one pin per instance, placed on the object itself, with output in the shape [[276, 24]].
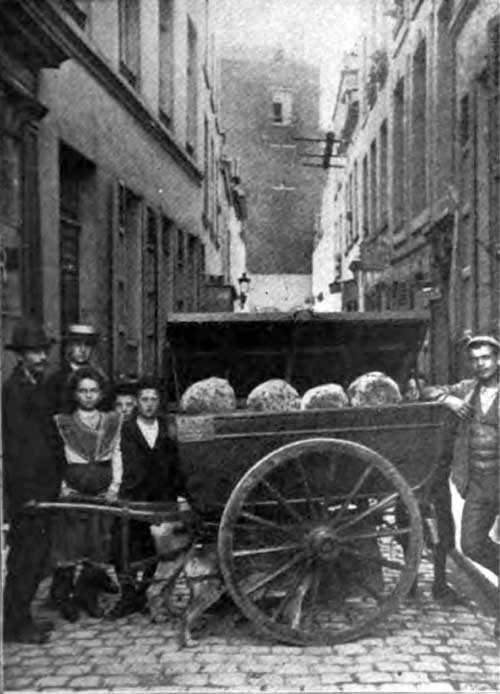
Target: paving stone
[[393, 687], [368, 677], [436, 687], [464, 658], [194, 680], [392, 666], [230, 680], [411, 677], [425, 666], [120, 681], [90, 682]]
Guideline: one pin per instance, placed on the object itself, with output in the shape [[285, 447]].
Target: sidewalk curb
[[487, 588]]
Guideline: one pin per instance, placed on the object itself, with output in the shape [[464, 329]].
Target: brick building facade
[[116, 173], [267, 102], [420, 211]]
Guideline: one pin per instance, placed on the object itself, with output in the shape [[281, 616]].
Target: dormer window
[[282, 107]]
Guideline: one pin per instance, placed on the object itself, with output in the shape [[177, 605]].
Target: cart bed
[[216, 450]]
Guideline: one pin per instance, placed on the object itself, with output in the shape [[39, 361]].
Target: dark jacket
[[33, 453], [149, 474], [57, 387], [467, 390]]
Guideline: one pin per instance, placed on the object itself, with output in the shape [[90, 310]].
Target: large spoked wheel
[[311, 541]]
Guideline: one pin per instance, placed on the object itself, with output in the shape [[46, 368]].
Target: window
[[166, 59], [282, 107], [150, 295], [355, 209], [365, 230], [69, 234], [418, 131], [192, 89], [373, 186], [206, 169], [464, 120], [127, 263], [129, 28], [398, 153], [383, 191]]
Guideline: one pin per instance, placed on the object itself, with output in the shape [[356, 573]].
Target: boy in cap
[[80, 341], [125, 397], [33, 468], [475, 466], [150, 473]]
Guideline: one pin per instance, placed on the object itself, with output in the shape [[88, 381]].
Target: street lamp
[[244, 284]]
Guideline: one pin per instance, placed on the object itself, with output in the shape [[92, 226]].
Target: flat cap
[[81, 331], [479, 340]]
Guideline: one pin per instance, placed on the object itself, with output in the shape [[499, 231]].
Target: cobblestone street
[[423, 647]]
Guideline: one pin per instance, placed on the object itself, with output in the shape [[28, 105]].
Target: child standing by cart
[[150, 474]]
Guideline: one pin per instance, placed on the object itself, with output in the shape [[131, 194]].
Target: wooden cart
[[314, 514]]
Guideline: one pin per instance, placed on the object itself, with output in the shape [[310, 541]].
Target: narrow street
[[424, 647]]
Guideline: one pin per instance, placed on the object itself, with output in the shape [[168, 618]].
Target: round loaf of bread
[[210, 396], [274, 395], [374, 389], [324, 397]]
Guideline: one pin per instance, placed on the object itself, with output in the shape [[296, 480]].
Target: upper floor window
[[282, 107], [192, 88], [129, 28], [166, 60]]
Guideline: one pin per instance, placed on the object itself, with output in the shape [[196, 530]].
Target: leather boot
[[62, 593], [87, 591], [131, 600]]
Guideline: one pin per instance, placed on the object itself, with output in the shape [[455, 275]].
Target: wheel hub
[[322, 542]]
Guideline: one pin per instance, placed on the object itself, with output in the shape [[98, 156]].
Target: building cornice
[[77, 47]]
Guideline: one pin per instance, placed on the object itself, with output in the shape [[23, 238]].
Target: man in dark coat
[[476, 464], [33, 468], [80, 341], [150, 473]]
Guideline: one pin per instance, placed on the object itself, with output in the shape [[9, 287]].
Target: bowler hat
[[29, 334], [81, 332], [125, 386], [480, 340]]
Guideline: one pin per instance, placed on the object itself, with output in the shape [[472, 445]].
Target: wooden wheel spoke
[[352, 493], [265, 550], [307, 487], [291, 591], [374, 559], [379, 506], [314, 595], [275, 574], [373, 534], [264, 522], [281, 499]]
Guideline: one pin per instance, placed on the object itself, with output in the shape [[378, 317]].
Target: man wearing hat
[[33, 468], [475, 467], [80, 341]]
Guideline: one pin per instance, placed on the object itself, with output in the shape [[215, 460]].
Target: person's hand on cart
[[461, 408], [67, 492]]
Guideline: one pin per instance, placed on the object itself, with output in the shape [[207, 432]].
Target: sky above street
[[318, 31]]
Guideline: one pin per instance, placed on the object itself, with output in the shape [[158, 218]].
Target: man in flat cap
[[80, 341], [33, 468], [475, 466]]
